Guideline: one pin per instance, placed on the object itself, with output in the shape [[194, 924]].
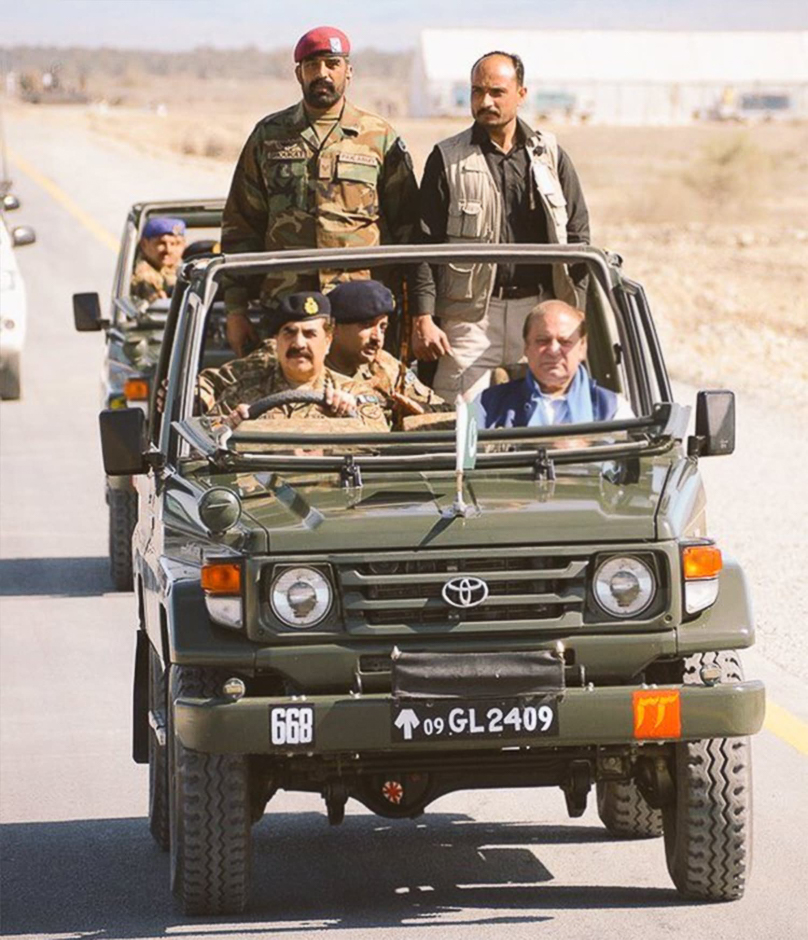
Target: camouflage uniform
[[148, 282], [387, 375], [290, 190], [259, 374]]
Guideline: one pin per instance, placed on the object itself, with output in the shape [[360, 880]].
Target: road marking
[[786, 726], [98, 230]]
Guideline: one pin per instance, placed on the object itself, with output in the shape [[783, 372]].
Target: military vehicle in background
[[391, 617], [133, 335]]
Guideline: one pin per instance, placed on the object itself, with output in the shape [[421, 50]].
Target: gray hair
[[548, 306]]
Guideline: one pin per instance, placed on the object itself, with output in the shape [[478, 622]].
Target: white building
[[623, 77]]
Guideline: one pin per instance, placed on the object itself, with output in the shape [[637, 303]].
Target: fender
[[728, 624], [193, 640]]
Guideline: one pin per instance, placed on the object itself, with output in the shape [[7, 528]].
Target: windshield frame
[[199, 281]]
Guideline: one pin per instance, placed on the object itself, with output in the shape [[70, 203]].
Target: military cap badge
[[311, 306]]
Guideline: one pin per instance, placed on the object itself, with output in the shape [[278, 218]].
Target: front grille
[[524, 586]]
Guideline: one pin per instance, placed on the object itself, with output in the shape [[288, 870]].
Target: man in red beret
[[320, 174]]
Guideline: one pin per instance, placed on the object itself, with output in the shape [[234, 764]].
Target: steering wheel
[[292, 396]]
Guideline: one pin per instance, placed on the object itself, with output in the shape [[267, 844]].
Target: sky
[[385, 24]]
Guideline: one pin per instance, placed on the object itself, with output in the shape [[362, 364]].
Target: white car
[[12, 301]]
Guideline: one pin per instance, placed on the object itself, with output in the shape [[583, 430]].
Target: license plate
[[291, 725], [451, 719]]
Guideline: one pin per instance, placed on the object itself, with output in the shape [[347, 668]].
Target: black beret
[[358, 301], [304, 305]]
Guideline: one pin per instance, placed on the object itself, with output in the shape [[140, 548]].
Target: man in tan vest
[[498, 181]]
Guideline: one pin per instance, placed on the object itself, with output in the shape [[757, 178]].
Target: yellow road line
[[106, 239], [786, 726]]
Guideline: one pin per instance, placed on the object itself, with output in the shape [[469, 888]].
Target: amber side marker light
[[221, 578], [701, 561], [136, 389]]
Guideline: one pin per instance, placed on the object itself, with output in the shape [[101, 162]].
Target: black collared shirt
[[520, 223]]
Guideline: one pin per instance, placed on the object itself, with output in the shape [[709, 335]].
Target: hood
[[309, 513]]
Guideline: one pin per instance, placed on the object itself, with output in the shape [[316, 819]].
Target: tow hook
[[577, 786]]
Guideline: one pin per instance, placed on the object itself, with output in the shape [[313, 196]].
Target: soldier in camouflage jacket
[[362, 311], [296, 362], [159, 254], [320, 174]]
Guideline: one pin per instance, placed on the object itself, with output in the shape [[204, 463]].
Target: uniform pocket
[[466, 222], [456, 281], [355, 184], [286, 182]]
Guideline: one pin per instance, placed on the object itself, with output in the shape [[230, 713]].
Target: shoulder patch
[[365, 399], [409, 377]]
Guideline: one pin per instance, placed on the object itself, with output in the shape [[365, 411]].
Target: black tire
[[624, 812], [10, 383], [158, 756], [122, 519], [210, 814], [708, 828]]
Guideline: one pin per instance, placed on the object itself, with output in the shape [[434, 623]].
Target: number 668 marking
[[291, 724]]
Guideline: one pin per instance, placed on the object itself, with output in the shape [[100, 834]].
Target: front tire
[[625, 813], [708, 827], [122, 520], [210, 814]]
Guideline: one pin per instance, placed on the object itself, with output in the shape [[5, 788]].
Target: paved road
[[77, 859]]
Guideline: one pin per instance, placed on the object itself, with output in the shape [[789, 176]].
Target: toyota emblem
[[465, 592]]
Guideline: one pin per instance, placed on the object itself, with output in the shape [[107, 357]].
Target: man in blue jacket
[[557, 388]]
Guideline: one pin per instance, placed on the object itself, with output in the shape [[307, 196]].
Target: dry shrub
[[188, 146], [214, 147], [728, 172]]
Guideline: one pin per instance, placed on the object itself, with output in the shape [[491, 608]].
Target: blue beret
[[303, 305], [359, 301], [154, 228]]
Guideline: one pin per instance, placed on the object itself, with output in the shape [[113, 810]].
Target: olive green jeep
[[133, 333], [392, 617]]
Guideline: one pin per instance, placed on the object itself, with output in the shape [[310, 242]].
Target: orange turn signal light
[[136, 389], [221, 578], [701, 561]]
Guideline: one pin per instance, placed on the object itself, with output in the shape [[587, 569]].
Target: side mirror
[[123, 441], [10, 202], [715, 425], [22, 235], [86, 312]]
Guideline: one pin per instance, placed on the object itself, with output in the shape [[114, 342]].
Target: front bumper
[[362, 724]]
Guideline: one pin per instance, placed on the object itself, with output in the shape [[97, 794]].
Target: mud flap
[[140, 701]]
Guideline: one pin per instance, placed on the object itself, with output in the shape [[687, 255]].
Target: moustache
[[298, 354], [321, 84]]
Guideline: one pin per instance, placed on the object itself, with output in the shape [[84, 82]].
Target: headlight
[[624, 587], [300, 597]]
